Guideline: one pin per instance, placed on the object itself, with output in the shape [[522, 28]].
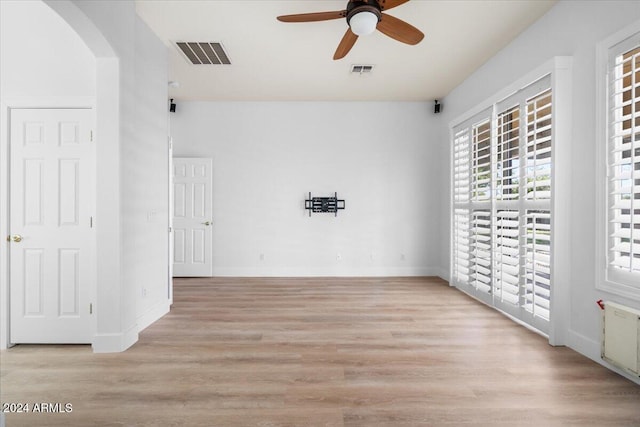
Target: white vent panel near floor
[[621, 337]]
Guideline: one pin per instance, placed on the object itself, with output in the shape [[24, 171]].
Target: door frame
[[170, 217], [5, 159], [171, 212]]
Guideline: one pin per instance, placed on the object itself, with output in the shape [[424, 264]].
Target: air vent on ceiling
[[207, 53], [362, 69]]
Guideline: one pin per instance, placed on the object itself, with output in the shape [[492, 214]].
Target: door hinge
[[91, 308], [170, 229], [91, 222], [91, 135]]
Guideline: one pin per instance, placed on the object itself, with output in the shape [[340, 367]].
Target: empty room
[[319, 213]]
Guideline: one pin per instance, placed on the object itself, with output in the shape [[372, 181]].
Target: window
[[502, 188], [620, 238]]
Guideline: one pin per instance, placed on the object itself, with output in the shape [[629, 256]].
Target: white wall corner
[[4, 213], [562, 85], [583, 345], [442, 273], [153, 314], [115, 342]]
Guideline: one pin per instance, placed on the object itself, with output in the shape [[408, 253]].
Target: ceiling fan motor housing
[[356, 6]]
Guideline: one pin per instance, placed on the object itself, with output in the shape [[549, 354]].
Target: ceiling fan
[[363, 18]]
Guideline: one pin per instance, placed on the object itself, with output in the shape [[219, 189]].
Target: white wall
[[40, 55], [145, 194], [268, 156], [141, 296], [117, 317], [569, 28]]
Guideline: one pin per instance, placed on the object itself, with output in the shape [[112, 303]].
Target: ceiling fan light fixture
[[363, 23], [363, 17]]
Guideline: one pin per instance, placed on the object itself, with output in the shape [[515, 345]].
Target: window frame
[[624, 284]]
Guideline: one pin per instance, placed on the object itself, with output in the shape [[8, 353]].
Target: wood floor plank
[[321, 352]]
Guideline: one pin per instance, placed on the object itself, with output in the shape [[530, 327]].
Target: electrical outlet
[[144, 292], [402, 257], [261, 257], [338, 257]]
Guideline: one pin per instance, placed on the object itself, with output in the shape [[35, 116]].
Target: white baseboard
[[327, 272], [592, 349], [152, 315], [583, 345], [115, 342], [442, 273], [119, 342]]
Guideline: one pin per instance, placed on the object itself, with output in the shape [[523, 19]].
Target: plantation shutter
[[461, 177], [461, 245], [507, 256], [507, 154], [537, 234], [471, 198], [502, 189], [481, 166], [480, 262], [538, 155], [461, 166], [623, 163], [506, 249]]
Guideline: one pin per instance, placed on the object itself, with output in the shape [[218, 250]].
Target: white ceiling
[[272, 60]]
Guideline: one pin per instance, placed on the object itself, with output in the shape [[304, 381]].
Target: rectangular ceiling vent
[[361, 69], [204, 53]]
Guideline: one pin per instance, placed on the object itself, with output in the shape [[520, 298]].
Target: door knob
[[207, 223], [15, 238]]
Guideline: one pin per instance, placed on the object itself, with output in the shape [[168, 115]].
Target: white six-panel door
[[192, 217], [52, 239]]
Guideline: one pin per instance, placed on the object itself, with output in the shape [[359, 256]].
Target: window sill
[[619, 289]]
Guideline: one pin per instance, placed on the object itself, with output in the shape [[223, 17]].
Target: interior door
[[52, 241], [192, 217]]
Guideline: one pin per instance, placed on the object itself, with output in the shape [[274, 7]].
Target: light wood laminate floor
[[321, 352]]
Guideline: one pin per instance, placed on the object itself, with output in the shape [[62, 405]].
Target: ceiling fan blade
[[347, 42], [311, 17], [399, 30], [389, 4]]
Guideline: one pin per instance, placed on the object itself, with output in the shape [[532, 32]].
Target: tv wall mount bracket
[[324, 204]]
